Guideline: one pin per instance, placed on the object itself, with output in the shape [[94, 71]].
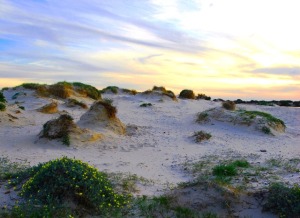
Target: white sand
[[160, 141]]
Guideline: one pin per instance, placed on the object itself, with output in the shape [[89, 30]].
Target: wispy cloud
[[213, 43]]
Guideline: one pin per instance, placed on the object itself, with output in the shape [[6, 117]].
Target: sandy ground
[[159, 141]]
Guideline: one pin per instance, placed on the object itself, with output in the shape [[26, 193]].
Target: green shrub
[[225, 170], [283, 200], [229, 105], [4, 89], [2, 98], [203, 96], [22, 108], [146, 105], [89, 90], [202, 117], [188, 94], [113, 89], [266, 130], [2, 106], [33, 86], [267, 116], [62, 180], [241, 163], [201, 136]]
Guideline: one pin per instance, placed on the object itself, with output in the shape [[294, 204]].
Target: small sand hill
[[160, 94], [67, 131], [101, 116], [254, 119]]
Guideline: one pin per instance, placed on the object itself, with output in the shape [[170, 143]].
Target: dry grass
[[229, 105], [49, 108], [110, 109]]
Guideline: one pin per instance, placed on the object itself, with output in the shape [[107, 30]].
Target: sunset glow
[[226, 49]]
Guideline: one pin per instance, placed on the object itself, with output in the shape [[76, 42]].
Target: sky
[[248, 49]]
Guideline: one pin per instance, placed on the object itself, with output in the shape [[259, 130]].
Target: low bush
[[130, 91], [229, 105], [203, 96], [112, 89], [33, 86], [225, 170], [266, 130], [64, 182], [188, 94], [159, 88], [283, 200], [2, 106], [146, 105], [241, 163], [201, 136], [89, 90], [2, 98], [202, 117]]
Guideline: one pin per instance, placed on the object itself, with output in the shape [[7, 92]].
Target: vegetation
[[203, 96], [73, 102], [59, 128], [112, 89], [146, 105], [188, 94], [33, 86], [266, 130], [2, 106], [225, 170], [66, 187], [130, 91], [202, 117], [283, 200], [2, 98], [167, 206], [49, 108], [268, 117], [110, 109], [89, 90], [229, 105], [201, 136]]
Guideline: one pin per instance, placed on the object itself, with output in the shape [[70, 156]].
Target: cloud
[[289, 71]]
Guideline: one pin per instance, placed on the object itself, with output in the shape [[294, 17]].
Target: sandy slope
[[159, 140]]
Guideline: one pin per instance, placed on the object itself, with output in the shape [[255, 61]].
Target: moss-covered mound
[[257, 119]]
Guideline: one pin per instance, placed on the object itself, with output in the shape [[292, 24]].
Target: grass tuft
[[201, 136], [229, 105]]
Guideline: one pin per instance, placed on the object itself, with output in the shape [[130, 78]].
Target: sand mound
[[102, 115], [65, 129], [160, 93], [75, 103], [255, 119], [49, 108]]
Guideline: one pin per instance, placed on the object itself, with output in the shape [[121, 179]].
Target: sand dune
[[152, 142]]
